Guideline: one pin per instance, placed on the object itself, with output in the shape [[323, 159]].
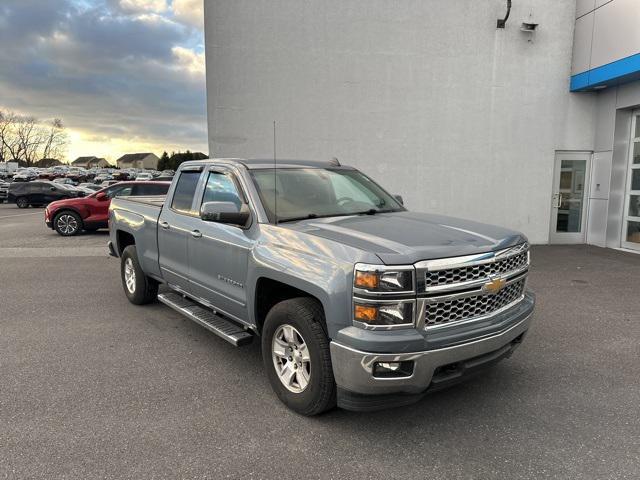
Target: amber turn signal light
[[365, 313], [368, 280]]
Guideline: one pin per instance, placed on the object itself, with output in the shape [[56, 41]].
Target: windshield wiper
[[371, 211], [295, 219]]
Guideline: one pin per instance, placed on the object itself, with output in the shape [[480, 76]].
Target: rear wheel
[[138, 288], [295, 353], [22, 202], [67, 224]]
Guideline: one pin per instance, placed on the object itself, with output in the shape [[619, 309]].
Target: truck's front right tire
[[138, 288], [295, 352]]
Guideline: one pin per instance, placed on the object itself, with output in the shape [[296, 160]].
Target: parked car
[[38, 193], [4, 191], [144, 177], [64, 181], [108, 183], [162, 178], [355, 299], [70, 217], [90, 186], [25, 175]]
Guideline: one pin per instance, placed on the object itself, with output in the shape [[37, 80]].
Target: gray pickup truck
[[357, 301]]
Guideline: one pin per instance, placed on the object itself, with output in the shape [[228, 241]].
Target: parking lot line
[[22, 215]]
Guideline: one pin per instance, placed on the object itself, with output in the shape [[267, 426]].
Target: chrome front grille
[[475, 272], [462, 289], [472, 307]]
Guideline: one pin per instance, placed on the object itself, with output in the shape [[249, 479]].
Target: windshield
[[320, 192]]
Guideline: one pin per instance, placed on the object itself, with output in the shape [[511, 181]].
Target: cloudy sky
[[124, 75]]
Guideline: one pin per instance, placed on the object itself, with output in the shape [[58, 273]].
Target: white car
[[144, 176]]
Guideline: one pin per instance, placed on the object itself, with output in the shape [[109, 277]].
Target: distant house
[[138, 160], [48, 162], [90, 162]]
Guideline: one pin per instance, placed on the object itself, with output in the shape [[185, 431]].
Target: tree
[[177, 158], [163, 163], [27, 140]]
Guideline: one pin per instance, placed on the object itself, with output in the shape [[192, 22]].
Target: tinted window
[[119, 190], [221, 188], [185, 191], [150, 189]]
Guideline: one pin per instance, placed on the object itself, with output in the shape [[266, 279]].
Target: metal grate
[[475, 272], [472, 307]]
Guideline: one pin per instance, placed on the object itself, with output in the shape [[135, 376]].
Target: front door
[[631, 223], [569, 198], [219, 253]]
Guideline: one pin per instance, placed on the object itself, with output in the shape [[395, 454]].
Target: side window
[[150, 189], [221, 188], [185, 191], [119, 191], [35, 188]]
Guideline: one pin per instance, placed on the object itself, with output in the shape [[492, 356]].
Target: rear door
[[218, 253], [99, 210], [174, 228]]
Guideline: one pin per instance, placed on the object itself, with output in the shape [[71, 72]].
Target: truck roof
[[261, 163]]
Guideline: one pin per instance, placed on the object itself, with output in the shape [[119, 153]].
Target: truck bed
[[153, 200]]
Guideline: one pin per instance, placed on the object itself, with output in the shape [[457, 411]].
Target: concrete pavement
[[94, 387]]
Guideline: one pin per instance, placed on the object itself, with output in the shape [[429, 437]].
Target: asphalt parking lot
[[94, 387]]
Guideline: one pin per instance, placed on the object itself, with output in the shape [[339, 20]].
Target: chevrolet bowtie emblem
[[494, 286]]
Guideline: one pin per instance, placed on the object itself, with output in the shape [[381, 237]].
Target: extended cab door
[[218, 252], [177, 220]]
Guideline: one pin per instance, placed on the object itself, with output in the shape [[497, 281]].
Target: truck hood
[[408, 237]]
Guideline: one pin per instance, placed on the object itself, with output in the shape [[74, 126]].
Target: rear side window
[[150, 189], [185, 191]]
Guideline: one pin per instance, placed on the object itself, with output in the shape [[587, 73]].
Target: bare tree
[[26, 139]]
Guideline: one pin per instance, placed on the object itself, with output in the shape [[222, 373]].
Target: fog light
[[392, 369]]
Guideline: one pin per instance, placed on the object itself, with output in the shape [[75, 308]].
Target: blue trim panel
[[624, 70]]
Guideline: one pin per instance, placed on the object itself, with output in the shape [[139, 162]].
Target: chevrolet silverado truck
[[357, 301]]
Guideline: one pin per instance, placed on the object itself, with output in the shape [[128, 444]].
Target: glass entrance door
[[631, 223], [570, 181]]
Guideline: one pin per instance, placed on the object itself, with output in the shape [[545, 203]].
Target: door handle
[[196, 233], [557, 200], [164, 225]]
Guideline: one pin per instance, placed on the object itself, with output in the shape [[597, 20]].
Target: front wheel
[[296, 357], [67, 224], [138, 288]]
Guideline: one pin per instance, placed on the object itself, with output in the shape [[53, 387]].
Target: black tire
[[307, 317], [145, 289], [22, 202], [67, 223]]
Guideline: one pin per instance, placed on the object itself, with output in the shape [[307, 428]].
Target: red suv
[[69, 217]]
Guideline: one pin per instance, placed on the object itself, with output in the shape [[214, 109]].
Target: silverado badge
[[494, 286]]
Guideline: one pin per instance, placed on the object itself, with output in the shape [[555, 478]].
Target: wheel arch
[[269, 292], [123, 240]]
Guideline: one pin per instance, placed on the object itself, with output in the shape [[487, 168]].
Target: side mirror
[[225, 212], [101, 197], [53, 189], [399, 199]]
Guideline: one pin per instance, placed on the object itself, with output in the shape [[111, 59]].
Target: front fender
[[320, 267]]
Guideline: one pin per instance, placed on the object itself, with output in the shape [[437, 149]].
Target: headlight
[[383, 279], [380, 314]]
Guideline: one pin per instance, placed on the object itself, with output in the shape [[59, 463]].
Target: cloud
[[132, 76], [138, 6], [190, 12]]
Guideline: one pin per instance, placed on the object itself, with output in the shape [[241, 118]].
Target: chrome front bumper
[[353, 369]]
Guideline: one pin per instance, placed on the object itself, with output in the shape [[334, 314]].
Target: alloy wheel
[[67, 224], [129, 276], [291, 358]]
